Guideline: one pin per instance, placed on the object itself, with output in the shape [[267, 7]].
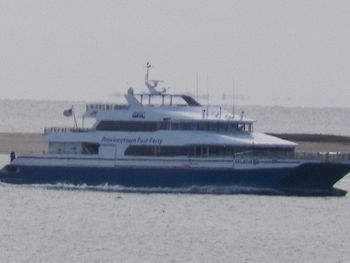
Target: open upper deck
[[164, 99], [144, 100]]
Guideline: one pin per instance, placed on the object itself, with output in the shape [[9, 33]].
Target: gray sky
[[278, 52]]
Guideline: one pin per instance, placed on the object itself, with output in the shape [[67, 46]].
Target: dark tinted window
[[166, 125], [90, 148], [206, 150], [127, 126]]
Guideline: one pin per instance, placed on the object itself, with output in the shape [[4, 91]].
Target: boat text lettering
[[138, 140]]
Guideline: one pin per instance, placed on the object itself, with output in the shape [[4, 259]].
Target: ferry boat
[[168, 141]]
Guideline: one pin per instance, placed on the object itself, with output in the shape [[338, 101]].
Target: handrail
[[323, 156], [106, 107], [64, 130], [310, 156]]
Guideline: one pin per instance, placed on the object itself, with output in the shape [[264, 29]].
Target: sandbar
[[33, 143]]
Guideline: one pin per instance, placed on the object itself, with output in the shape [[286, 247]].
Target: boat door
[[109, 153]]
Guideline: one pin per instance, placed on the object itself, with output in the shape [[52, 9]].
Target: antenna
[[148, 66], [233, 97], [197, 86], [152, 84], [75, 119], [207, 96]]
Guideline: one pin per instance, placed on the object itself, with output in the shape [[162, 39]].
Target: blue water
[[65, 223]]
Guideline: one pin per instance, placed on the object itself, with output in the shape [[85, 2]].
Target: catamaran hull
[[316, 179]]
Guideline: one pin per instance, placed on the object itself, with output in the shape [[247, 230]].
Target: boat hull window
[[73, 148], [208, 151], [90, 148]]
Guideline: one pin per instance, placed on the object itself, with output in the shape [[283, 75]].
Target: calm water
[[34, 116], [41, 224], [75, 224]]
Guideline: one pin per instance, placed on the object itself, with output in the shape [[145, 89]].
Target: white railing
[[323, 156], [106, 107], [309, 156], [64, 130]]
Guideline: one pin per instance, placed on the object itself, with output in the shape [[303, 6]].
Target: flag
[[92, 113], [68, 112]]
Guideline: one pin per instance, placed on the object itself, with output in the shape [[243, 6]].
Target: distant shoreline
[[317, 142], [32, 143], [25, 143]]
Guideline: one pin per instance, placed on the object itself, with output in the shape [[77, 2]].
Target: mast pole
[[207, 96], [148, 67], [197, 86], [75, 120], [233, 97]]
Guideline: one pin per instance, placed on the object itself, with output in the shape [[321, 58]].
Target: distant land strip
[[32, 143], [25, 143]]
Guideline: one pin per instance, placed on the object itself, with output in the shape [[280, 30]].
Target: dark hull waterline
[[308, 179]]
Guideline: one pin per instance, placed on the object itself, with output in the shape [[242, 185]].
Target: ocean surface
[[34, 116], [64, 223]]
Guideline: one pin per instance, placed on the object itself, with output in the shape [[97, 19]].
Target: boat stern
[[316, 179]]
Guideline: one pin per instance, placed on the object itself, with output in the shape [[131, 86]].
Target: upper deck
[[164, 99]]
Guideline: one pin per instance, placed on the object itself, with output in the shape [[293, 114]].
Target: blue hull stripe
[[309, 177]]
